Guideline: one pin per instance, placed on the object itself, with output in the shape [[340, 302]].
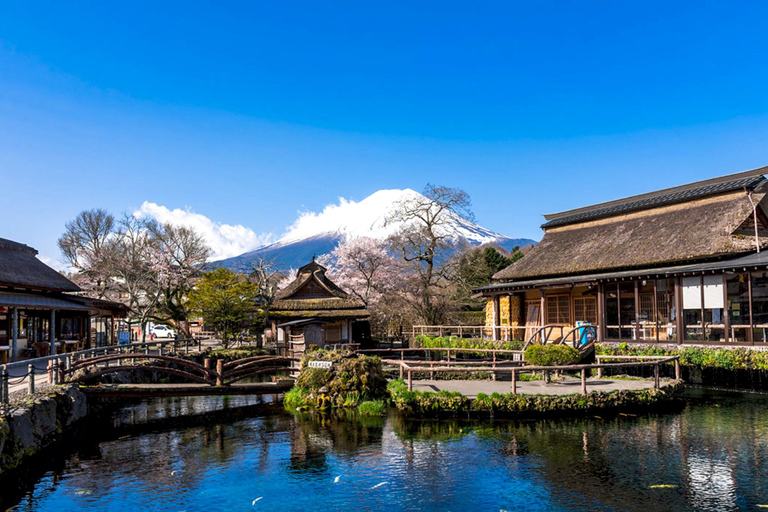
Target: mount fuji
[[314, 234]]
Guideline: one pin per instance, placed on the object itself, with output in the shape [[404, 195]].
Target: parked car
[[163, 331]]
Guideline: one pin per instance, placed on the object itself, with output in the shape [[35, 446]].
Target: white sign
[[320, 364]]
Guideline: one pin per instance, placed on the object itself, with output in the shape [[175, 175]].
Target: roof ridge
[[680, 193]]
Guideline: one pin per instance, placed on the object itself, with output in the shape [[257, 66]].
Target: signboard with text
[[320, 364]]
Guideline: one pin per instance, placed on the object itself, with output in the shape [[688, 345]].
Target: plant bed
[[518, 405]]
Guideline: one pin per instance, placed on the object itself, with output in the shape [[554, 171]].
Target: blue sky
[[250, 112]]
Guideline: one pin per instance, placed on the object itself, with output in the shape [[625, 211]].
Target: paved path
[[567, 386]]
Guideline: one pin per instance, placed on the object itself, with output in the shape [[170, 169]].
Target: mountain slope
[[319, 233]]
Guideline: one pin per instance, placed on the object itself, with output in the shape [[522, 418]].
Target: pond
[[711, 455]]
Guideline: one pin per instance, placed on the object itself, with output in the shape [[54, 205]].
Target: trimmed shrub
[[551, 355], [698, 357], [423, 341]]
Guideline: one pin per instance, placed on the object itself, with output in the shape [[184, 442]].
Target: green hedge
[[429, 403], [698, 357], [551, 355], [424, 341]]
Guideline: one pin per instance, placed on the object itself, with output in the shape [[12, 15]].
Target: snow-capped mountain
[[319, 233]]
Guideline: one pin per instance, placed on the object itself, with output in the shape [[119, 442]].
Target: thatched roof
[[19, 268], [697, 230], [313, 294]]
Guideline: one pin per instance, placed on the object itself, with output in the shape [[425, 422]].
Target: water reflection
[[709, 456]]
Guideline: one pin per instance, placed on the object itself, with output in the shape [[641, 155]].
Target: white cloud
[[55, 264], [225, 240]]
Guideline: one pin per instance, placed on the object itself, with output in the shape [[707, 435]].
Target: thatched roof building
[[38, 315], [697, 222], [313, 295], [683, 264], [19, 268], [313, 310]]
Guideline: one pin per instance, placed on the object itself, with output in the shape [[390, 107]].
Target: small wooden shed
[[313, 310]]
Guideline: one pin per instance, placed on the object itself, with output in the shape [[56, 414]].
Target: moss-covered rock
[[350, 380]]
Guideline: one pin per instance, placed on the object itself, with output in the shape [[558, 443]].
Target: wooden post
[[31, 375], [583, 381], [655, 311], [514, 382], [751, 337], [679, 311], [677, 369], [618, 305], [656, 376], [410, 380], [52, 335], [14, 333], [703, 323], [599, 369], [401, 369], [600, 312], [541, 310], [637, 310], [494, 365], [726, 315], [219, 371]]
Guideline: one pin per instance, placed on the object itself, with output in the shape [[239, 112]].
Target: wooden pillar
[[219, 371], [52, 335], [679, 311], [751, 333], [14, 333], [514, 382], [600, 312], [88, 332], [496, 319], [541, 310], [655, 311], [677, 369], [703, 323], [637, 310], [583, 381], [726, 314], [618, 306]]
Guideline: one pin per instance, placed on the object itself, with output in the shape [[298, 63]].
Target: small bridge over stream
[[198, 379]]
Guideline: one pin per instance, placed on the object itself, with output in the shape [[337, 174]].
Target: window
[[558, 310], [585, 309]]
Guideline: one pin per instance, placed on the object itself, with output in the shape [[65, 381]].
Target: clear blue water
[[712, 455]]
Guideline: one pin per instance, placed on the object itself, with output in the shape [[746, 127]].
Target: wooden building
[[312, 310], [680, 265], [38, 314]]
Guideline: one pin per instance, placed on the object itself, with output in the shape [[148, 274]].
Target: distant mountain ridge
[[314, 234]]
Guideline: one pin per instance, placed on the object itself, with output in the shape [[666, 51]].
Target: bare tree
[[177, 256], [85, 245], [424, 242], [147, 266]]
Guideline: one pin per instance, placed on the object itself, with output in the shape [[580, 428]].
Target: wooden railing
[[655, 361]]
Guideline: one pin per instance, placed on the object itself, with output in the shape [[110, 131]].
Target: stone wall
[[28, 426]]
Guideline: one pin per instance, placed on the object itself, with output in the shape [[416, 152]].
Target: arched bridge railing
[[191, 371]]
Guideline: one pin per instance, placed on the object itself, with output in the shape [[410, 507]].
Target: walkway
[[567, 386]]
